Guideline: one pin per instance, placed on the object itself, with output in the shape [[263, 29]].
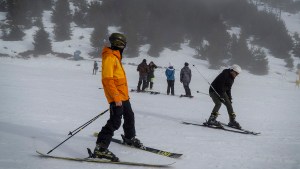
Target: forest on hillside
[[203, 24]]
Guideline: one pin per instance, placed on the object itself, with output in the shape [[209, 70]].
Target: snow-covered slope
[[44, 98]]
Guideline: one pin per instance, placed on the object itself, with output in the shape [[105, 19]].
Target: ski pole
[[207, 82], [79, 129], [202, 93], [87, 123]]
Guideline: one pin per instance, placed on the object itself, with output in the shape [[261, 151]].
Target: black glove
[[222, 100]]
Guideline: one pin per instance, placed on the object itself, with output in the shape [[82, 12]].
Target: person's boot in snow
[[101, 152], [233, 123], [213, 122], [133, 142]]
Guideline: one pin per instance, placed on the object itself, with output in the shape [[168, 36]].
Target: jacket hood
[[171, 67]]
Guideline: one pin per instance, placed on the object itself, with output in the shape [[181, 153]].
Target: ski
[[170, 94], [220, 128], [244, 130], [145, 91], [186, 96], [96, 160], [152, 150], [145, 148]]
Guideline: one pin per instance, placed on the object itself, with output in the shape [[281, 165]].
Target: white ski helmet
[[236, 68]]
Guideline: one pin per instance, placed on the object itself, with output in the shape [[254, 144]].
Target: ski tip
[[176, 155], [40, 153], [171, 163], [256, 134]]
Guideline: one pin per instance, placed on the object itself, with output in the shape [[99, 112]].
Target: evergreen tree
[[234, 45], [259, 64], [38, 22], [240, 52], [98, 37], [47, 4], [16, 19], [3, 6], [81, 8], [296, 46], [18, 13], [35, 8], [289, 63], [214, 55], [61, 16], [42, 43], [14, 34], [94, 14], [218, 49], [132, 50]]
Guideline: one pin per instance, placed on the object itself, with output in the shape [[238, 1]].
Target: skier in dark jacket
[[150, 75], [185, 78], [170, 73], [220, 92], [95, 69], [143, 73]]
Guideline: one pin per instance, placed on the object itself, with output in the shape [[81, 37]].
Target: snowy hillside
[[44, 98]]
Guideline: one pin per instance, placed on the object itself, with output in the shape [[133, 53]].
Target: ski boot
[[133, 142], [101, 152], [213, 122], [234, 124]]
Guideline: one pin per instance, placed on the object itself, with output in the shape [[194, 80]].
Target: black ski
[[244, 130], [145, 91], [152, 150], [220, 128], [96, 160], [186, 96], [170, 94]]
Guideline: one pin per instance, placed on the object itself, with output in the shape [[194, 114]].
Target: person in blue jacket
[[170, 73]]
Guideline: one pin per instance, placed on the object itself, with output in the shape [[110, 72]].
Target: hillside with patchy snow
[[44, 98]]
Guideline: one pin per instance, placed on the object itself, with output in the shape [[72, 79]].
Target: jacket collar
[[109, 51]]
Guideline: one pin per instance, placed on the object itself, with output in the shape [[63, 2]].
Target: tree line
[[204, 24]]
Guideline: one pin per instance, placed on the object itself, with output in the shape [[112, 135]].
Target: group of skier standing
[[116, 91], [146, 77]]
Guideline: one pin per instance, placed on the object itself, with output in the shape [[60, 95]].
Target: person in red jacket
[[116, 91]]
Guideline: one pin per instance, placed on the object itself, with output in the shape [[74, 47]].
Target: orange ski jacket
[[113, 76]]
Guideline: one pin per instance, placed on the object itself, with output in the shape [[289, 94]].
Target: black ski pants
[[187, 88], [149, 82], [142, 80], [170, 86], [114, 123]]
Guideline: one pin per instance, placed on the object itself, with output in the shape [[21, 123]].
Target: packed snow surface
[[44, 98]]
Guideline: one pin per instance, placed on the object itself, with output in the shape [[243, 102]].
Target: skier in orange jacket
[[116, 91]]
